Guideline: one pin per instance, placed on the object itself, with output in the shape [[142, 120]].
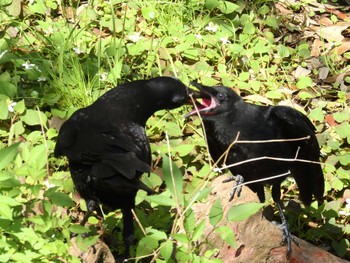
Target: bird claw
[[237, 187], [287, 238]]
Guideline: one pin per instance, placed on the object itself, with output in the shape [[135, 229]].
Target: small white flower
[[152, 15], [346, 210], [10, 106], [198, 36], [28, 66], [78, 51], [212, 27], [41, 79], [48, 185], [48, 31], [224, 40], [135, 37], [347, 200], [103, 76]]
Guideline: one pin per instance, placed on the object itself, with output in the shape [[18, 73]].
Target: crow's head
[[213, 100], [169, 92]]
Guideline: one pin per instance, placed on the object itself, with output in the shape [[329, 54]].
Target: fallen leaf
[[283, 10], [344, 47], [325, 21], [330, 120], [323, 72], [336, 12], [314, 63], [316, 47], [330, 33], [301, 72]]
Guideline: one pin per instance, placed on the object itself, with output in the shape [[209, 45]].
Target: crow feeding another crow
[[107, 147], [266, 141]]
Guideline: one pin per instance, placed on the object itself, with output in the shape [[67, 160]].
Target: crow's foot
[[287, 238], [237, 187]]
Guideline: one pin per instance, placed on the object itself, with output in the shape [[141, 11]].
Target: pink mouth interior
[[205, 104]]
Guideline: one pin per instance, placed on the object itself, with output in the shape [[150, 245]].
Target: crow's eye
[[220, 96]]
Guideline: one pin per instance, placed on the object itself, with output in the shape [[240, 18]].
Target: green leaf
[[211, 4], [249, 28], [8, 181], [146, 246], [6, 211], [343, 130], [227, 235], [344, 159], [184, 149], [60, 199], [202, 194], [38, 157], [189, 221], [8, 154], [303, 50], [33, 117], [8, 89], [243, 211], [341, 247], [216, 213], [182, 238], [160, 200], [85, 242], [78, 229], [317, 114], [172, 177], [3, 109], [227, 7], [264, 10], [304, 82], [156, 234], [342, 116], [283, 51], [304, 95], [9, 201], [274, 94], [166, 250], [272, 22], [199, 230]]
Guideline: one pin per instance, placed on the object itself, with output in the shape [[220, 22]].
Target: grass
[[57, 57]]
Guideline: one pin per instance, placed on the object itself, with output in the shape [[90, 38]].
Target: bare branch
[[262, 179], [266, 158], [276, 140]]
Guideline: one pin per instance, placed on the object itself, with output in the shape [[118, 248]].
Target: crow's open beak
[[204, 100]]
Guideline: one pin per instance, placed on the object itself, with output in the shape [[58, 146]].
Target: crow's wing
[[109, 147], [309, 177], [293, 124]]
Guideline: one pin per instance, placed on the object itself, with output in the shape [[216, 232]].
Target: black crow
[[107, 147], [266, 140]]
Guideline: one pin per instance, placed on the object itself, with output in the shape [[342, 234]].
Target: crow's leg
[[91, 206], [287, 237], [237, 187], [128, 229]]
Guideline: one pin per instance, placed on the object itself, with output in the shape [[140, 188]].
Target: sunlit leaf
[[8, 154], [199, 230], [243, 211], [166, 249], [227, 235], [172, 177], [216, 213]]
